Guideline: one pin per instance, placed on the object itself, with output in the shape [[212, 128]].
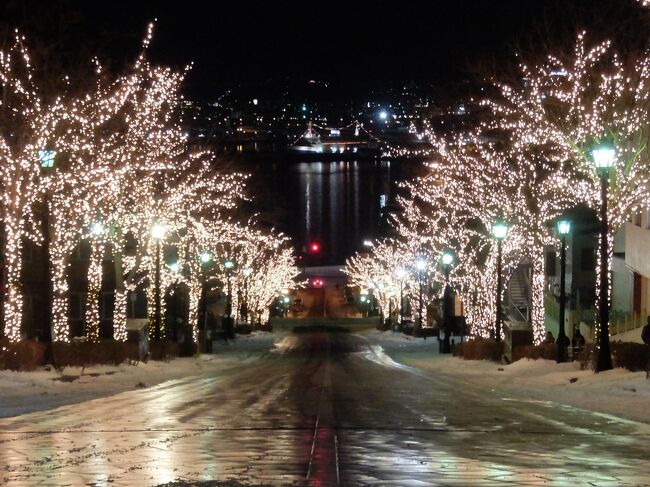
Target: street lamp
[[365, 301], [420, 265], [206, 258], [47, 159], [499, 231], [286, 300], [563, 228], [229, 264], [447, 260], [247, 273], [158, 231], [401, 274], [604, 158], [97, 229]]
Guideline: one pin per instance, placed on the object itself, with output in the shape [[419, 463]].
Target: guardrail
[[626, 323]]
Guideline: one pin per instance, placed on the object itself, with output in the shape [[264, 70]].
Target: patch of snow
[[25, 392]]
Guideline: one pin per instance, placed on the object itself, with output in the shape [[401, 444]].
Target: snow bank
[[618, 392], [24, 392]]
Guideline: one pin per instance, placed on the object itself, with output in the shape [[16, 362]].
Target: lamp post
[[499, 231], [401, 274], [47, 159], [420, 265], [604, 158], [158, 231], [285, 305], [447, 310], [563, 228], [363, 299], [247, 273], [229, 264], [206, 258]]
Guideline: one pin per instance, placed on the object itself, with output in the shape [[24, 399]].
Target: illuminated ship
[[350, 140]]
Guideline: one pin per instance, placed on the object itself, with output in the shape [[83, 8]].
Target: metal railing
[[626, 323]]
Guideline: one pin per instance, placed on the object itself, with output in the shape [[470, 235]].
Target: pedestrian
[[645, 336], [578, 342], [549, 338], [453, 345]]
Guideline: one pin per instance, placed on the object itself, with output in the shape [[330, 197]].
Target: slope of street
[[323, 408]]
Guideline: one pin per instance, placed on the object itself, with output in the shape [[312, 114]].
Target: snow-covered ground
[[617, 392], [24, 392]]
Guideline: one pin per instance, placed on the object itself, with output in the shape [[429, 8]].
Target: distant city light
[[254, 101]]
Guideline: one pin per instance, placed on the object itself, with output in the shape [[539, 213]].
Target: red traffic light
[[314, 247]]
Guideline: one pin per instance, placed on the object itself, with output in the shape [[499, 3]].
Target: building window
[[82, 251], [28, 252], [77, 306], [28, 306], [588, 260], [107, 305], [551, 259], [136, 303]]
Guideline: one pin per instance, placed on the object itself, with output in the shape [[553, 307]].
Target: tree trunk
[[94, 292], [13, 303]]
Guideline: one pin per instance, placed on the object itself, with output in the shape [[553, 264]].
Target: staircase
[[517, 295]]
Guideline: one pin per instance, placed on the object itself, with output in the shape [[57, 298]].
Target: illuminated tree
[[563, 108], [28, 138]]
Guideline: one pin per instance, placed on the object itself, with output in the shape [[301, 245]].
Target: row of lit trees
[[571, 131], [112, 166]]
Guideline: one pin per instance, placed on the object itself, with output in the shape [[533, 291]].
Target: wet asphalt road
[[322, 409]]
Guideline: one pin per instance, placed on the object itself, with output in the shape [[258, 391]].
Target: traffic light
[[314, 247]]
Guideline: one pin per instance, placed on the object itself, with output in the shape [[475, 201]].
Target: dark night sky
[[345, 42]]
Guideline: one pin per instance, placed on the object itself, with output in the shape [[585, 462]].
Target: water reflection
[[338, 204]]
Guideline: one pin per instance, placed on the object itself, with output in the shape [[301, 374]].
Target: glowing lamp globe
[[46, 157], [97, 229], [447, 258], [563, 227], [500, 231], [205, 257], [174, 267], [604, 156], [401, 273], [229, 264], [421, 265], [158, 231]]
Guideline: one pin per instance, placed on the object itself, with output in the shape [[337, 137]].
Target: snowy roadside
[[25, 392], [618, 392]]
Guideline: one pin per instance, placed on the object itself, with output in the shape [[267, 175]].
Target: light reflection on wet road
[[324, 409]]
